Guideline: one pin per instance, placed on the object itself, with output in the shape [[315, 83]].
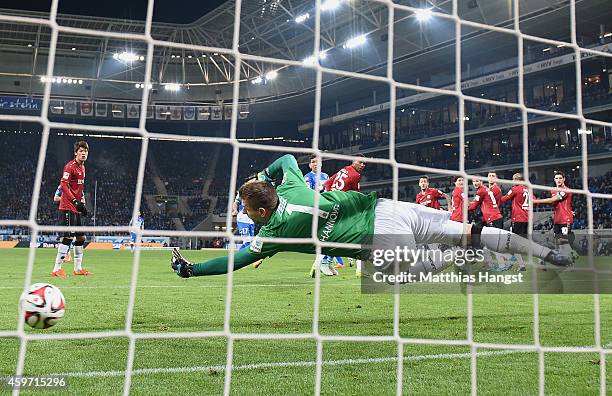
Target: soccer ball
[[42, 305]]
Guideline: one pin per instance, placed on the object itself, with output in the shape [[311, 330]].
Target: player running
[[563, 216], [140, 225], [429, 196], [72, 207], [346, 217]]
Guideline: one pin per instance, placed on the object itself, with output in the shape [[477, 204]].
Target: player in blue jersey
[[327, 263], [311, 177], [58, 195], [140, 225], [246, 226]]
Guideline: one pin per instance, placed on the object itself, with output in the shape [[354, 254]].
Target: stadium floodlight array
[[172, 87], [355, 42], [142, 132], [61, 80], [142, 85], [128, 57], [302, 18], [311, 59]]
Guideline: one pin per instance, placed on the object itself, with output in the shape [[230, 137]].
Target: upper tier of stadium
[[423, 51]]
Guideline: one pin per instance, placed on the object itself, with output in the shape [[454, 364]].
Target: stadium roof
[[422, 51]]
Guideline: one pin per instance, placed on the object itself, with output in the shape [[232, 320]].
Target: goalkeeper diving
[[348, 217]]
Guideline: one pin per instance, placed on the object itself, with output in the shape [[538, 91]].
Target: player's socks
[[62, 251], [132, 247], [358, 268], [78, 257], [340, 262], [503, 241], [326, 266]]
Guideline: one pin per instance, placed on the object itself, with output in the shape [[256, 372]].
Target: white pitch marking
[[194, 287], [255, 366]]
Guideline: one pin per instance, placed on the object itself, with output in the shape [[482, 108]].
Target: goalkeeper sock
[[340, 261], [503, 241], [62, 251], [78, 256]]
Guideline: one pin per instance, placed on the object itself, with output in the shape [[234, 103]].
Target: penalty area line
[[272, 365]]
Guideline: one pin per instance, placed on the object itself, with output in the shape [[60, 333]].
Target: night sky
[[172, 11]]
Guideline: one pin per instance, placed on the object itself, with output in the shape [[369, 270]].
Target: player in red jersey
[[457, 201], [430, 196], [563, 217], [72, 206], [489, 198], [494, 188], [521, 201], [489, 205], [347, 178]]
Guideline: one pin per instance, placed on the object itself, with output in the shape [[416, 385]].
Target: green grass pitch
[[278, 298]]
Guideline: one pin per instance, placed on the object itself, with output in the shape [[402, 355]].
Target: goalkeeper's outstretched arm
[[281, 165], [216, 266]]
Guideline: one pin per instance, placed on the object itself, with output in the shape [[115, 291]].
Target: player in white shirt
[[139, 225]]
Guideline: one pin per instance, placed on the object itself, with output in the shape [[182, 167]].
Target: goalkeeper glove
[[263, 176], [260, 176], [80, 206], [180, 266]]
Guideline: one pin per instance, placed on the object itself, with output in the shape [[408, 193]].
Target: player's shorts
[[562, 229], [499, 223], [70, 218], [520, 228], [133, 236], [411, 224]]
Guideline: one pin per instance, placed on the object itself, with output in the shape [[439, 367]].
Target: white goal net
[[393, 86]]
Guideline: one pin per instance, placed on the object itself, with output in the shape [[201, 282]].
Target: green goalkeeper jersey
[[345, 217]]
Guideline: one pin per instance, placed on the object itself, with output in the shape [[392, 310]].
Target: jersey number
[[526, 198], [493, 199], [338, 184]]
